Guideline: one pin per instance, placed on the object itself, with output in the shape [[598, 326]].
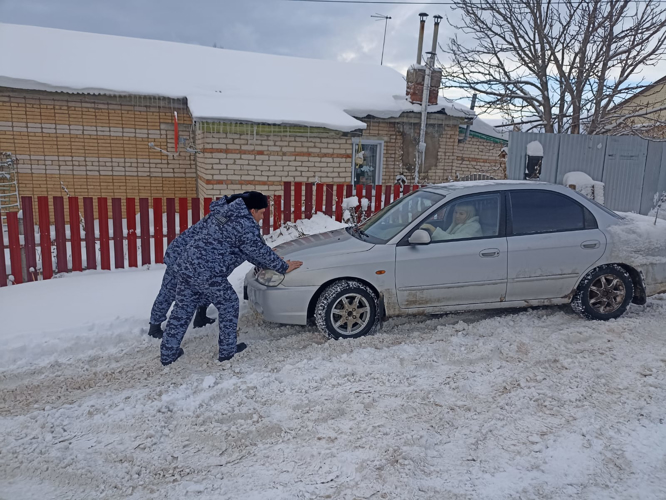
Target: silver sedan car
[[459, 246]]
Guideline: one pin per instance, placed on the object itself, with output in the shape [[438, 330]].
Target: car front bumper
[[279, 304]]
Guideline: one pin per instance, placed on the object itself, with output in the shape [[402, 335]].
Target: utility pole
[[420, 155], [430, 65], [379, 17]]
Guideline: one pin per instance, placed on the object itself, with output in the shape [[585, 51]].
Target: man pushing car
[[219, 244]]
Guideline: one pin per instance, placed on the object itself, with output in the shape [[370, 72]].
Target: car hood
[[338, 242]]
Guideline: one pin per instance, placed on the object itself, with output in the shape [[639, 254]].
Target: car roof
[[489, 185]]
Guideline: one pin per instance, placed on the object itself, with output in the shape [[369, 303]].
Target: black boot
[[201, 319], [239, 348], [155, 331], [180, 353]]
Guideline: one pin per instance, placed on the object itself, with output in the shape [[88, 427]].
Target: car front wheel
[[604, 293], [347, 309]]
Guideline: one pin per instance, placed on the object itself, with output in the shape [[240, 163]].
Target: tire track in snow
[[532, 404]]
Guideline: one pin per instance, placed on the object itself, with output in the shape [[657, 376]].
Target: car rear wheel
[[347, 309], [604, 293]]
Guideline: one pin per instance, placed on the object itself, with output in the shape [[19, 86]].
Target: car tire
[[347, 309], [604, 293]]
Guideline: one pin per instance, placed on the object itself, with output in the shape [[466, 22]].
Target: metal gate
[[632, 169]]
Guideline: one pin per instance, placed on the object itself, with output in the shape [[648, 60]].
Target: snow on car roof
[[451, 186], [219, 84]]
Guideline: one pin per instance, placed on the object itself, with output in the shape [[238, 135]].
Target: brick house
[[100, 115], [647, 109]]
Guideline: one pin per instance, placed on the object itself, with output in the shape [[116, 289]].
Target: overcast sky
[[340, 32], [327, 31]]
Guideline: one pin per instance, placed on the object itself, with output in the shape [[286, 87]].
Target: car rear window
[[539, 211], [598, 205]]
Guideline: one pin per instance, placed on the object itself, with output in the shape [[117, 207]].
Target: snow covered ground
[[518, 404]]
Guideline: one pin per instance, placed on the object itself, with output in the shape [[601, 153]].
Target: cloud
[[270, 26]]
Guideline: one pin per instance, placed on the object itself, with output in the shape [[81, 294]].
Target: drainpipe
[[469, 125]]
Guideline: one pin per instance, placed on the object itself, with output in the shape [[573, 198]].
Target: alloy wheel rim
[[607, 294], [350, 314]]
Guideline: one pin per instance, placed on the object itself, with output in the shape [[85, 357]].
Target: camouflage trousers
[[165, 297], [188, 298]]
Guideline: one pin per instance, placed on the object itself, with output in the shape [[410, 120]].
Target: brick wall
[[479, 156], [95, 145], [98, 146], [387, 131], [237, 159]]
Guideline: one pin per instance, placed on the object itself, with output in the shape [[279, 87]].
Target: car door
[[464, 266], [552, 239]]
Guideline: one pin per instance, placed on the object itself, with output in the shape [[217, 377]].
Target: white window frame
[[380, 157]]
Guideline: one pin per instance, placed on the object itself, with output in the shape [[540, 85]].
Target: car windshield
[[390, 220]]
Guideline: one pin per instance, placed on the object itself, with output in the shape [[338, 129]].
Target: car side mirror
[[420, 237]]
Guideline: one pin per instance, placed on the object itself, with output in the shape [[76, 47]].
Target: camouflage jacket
[[178, 245], [221, 242]]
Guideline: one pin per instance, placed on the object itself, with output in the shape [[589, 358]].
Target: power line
[[384, 2], [404, 2]]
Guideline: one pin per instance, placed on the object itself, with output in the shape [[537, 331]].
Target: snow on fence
[[138, 231]]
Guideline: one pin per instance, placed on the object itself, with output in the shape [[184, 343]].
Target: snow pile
[[319, 223], [637, 239], [351, 202], [77, 311], [219, 84], [534, 148], [584, 184], [348, 207]]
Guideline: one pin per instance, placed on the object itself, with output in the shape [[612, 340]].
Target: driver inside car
[[465, 225]]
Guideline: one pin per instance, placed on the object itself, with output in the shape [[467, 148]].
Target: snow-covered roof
[[485, 128], [219, 84], [479, 126]]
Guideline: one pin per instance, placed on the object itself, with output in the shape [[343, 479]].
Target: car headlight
[[268, 277]]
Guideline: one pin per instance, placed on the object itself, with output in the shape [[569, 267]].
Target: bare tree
[[555, 66]]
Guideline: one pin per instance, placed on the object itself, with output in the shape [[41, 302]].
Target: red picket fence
[[76, 247]]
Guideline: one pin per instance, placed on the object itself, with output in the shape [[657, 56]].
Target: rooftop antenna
[[379, 17]]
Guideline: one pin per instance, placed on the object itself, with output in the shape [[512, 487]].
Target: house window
[[367, 158]]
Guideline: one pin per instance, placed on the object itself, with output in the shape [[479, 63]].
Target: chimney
[[416, 74], [422, 17], [435, 34]]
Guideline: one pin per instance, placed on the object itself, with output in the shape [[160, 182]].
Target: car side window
[[470, 217], [538, 211]]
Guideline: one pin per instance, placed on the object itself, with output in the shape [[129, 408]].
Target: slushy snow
[[484, 405]]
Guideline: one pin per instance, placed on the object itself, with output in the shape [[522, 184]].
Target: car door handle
[[590, 245], [489, 252]]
